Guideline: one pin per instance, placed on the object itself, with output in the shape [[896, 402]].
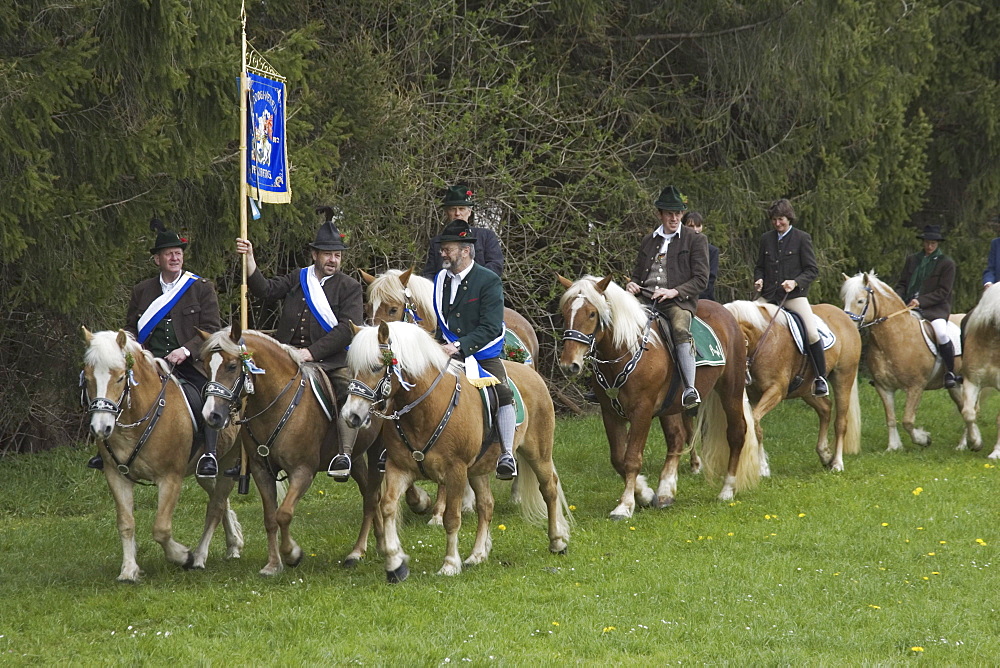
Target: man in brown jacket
[[162, 315], [319, 303], [671, 271], [926, 284]]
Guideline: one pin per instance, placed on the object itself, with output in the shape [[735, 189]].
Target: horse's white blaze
[[102, 423], [214, 363]]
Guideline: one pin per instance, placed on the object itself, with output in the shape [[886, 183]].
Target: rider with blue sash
[[162, 315], [468, 305], [319, 303]]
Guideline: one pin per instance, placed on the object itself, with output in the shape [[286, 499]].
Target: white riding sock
[[506, 422]]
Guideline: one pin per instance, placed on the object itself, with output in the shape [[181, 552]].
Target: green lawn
[[886, 563]]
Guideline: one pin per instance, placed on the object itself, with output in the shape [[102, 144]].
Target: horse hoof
[[398, 575], [563, 551], [189, 562], [618, 517], [351, 562], [664, 501]]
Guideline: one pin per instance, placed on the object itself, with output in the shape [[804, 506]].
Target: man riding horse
[[319, 302], [458, 204], [672, 270], [162, 315], [468, 305]]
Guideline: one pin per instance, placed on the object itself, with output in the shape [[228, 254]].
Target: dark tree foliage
[[566, 118]]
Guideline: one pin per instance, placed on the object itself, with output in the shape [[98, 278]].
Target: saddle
[[798, 331], [491, 431], [195, 402], [954, 333]]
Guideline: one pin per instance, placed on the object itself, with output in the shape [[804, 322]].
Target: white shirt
[[167, 287], [782, 236], [456, 280], [322, 279], [667, 238]]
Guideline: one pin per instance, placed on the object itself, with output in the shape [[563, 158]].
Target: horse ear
[[846, 277], [236, 331], [202, 333], [368, 278], [87, 336], [563, 281], [383, 332], [354, 328], [122, 339], [603, 284], [865, 282], [404, 278]]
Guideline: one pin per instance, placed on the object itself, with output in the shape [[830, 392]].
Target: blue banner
[[267, 155]]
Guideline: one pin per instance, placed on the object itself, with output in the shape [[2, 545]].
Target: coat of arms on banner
[[267, 159]]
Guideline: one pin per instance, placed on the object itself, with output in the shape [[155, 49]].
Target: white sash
[[316, 299], [161, 305]]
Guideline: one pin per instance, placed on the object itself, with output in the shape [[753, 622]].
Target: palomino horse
[[145, 430], [981, 363], [775, 365], [283, 429], [404, 296], [897, 356], [439, 434], [609, 326]]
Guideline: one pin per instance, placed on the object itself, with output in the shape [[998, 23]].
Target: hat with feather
[[165, 238], [328, 237]]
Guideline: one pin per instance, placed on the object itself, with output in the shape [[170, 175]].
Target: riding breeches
[[495, 367], [800, 306], [339, 378], [679, 319], [940, 326]]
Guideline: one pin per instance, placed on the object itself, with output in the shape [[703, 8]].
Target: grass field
[[887, 563]]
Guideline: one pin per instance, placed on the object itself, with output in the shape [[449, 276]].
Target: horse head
[[107, 372], [400, 296], [224, 361], [585, 311]]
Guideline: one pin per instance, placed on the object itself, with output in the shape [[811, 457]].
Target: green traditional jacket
[[476, 316]]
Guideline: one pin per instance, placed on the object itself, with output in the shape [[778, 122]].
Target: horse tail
[[852, 439], [281, 487], [533, 507], [715, 453]]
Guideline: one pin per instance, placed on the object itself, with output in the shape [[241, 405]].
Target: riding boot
[[818, 357], [340, 465], [506, 422], [685, 363], [947, 351], [96, 462], [208, 463]]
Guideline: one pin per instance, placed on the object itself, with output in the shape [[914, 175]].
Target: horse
[[439, 437], [282, 430], [404, 296], [147, 434], [608, 326], [897, 356], [980, 363], [778, 371]]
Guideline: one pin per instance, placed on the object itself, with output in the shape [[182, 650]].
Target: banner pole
[[244, 194]]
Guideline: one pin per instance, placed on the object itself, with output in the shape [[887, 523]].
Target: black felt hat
[[931, 233], [328, 237], [165, 238], [458, 230]]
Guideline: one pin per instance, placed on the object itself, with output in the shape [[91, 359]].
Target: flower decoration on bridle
[[392, 365], [129, 363]]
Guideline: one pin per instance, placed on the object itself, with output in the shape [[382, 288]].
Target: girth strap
[[420, 455]]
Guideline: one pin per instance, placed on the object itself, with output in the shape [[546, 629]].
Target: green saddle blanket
[[706, 344], [514, 349]]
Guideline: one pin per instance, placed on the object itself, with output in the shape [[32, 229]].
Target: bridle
[[859, 319]]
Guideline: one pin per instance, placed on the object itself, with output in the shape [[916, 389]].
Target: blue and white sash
[[476, 374], [316, 299], [161, 306]]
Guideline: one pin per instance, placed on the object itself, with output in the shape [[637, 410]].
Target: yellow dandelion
[[608, 629], [916, 649], [701, 538], [981, 541], [935, 573], [730, 533], [942, 542], [885, 524], [930, 554], [876, 607], [572, 507], [631, 528], [924, 577], [837, 573], [907, 540], [502, 527], [767, 517], [555, 623], [322, 492], [987, 466], [920, 528], [917, 491], [802, 514]]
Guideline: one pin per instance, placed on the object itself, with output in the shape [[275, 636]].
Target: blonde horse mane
[[104, 352], [986, 313], [414, 350], [388, 288], [751, 313], [856, 284], [618, 310], [221, 340]]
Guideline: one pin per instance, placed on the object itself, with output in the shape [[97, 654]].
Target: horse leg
[[169, 491], [360, 473], [673, 433], [538, 458], [218, 510], [769, 399], [480, 485], [454, 490], [299, 480], [396, 482], [889, 404], [418, 499], [122, 492], [970, 411], [689, 440], [637, 435], [437, 510], [824, 408], [919, 436], [268, 489], [996, 448]]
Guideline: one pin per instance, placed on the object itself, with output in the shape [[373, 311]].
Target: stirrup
[[690, 398], [340, 468], [950, 380], [208, 466], [506, 467], [381, 461], [820, 388]]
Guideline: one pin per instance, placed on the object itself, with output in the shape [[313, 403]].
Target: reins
[[860, 319]]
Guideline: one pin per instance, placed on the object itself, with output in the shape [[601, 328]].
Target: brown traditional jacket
[[934, 293], [197, 307], [298, 322], [686, 266]]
